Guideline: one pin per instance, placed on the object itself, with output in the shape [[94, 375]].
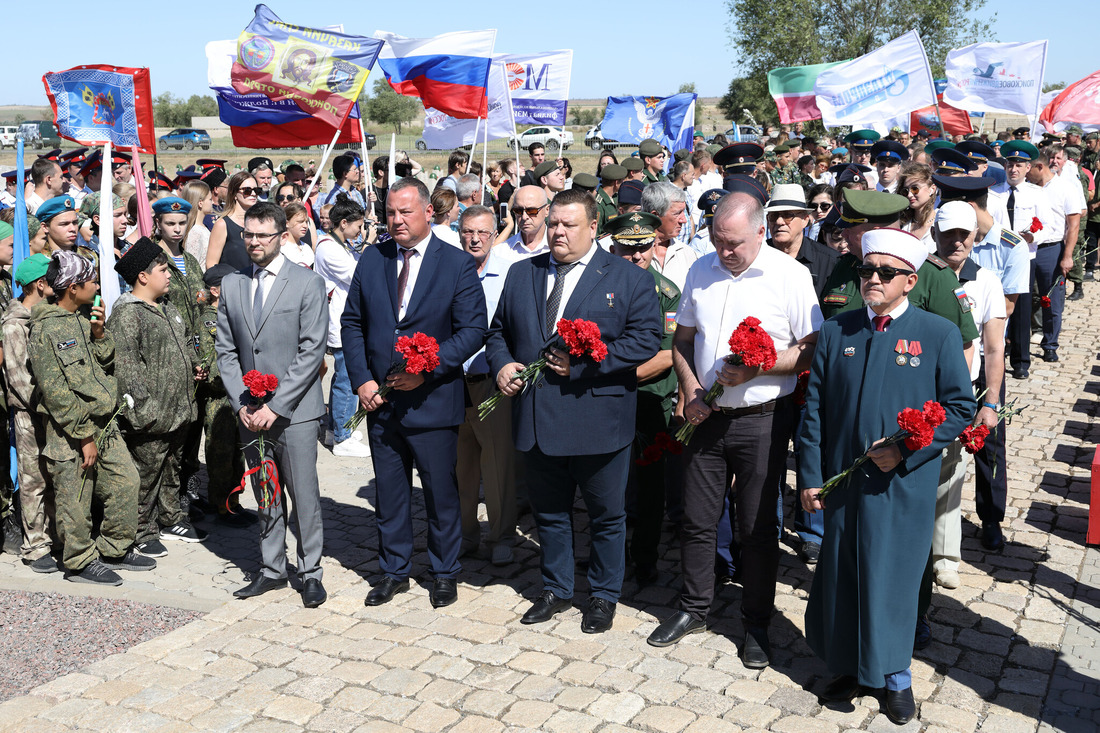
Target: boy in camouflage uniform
[[85, 456], [35, 494], [9, 510], [224, 462], [155, 365]]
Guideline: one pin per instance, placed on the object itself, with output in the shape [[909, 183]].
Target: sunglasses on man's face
[[885, 274], [531, 211]]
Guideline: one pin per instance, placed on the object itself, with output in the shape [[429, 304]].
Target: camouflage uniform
[[1077, 274], [35, 495], [7, 505], [787, 174], [78, 399], [154, 365], [224, 460]]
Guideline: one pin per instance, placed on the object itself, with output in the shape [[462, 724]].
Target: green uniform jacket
[[787, 174], [935, 292], [669, 297], [154, 361], [649, 178], [204, 347], [73, 373], [607, 207]]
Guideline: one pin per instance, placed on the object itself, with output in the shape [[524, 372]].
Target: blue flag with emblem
[[668, 120], [96, 104]]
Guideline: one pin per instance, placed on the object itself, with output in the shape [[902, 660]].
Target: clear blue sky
[[630, 48]]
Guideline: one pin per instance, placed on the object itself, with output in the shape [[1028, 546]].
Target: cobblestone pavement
[[1016, 648]]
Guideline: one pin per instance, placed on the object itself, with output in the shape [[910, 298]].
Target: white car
[[554, 138], [8, 136]]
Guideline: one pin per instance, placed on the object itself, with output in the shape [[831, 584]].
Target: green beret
[[698, 133], [650, 147], [6, 230], [612, 172], [632, 163], [545, 168], [31, 269], [870, 207], [635, 229], [681, 154], [585, 181]]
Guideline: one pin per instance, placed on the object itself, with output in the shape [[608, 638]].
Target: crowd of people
[[956, 250]]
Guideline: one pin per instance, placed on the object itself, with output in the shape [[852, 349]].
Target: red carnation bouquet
[[1045, 300], [1036, 225], [579, 337], [662, 443], [419, 355], [261, 388], [973, 438], [750, 345], [917, 428], [800, 388]]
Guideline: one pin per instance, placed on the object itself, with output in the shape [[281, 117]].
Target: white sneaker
[[351, 448]]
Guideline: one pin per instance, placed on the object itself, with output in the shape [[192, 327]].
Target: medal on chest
[[908, 353]]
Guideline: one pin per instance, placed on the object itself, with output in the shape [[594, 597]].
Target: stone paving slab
[[1016, 647]]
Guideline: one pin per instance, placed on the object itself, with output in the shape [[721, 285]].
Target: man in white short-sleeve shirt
[[745, 431]]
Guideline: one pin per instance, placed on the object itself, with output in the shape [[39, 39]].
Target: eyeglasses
[[531, 211], [823, 205], [248, 191], [290, 197], [886, 274], [261, 236], [479, 233], [913, 189]]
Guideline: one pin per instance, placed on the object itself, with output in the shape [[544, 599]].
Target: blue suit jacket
[[447, 303], [592, 411]]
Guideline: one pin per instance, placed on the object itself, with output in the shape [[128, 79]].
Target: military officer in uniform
[[653, 161], [633, 237], [785, 171], [859, 144], [936, 291], [634, 168], [738, 158], [701, 241], [888, 156], [607, 203]]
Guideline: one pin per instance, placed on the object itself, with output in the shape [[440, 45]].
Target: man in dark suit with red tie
[[577, 423], [415, 283]]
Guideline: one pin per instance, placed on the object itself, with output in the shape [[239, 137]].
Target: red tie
[[881, 322]]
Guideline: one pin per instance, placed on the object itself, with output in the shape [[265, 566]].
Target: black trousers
[[1019, 330], [991, 466], [754, 448], [649, 482]]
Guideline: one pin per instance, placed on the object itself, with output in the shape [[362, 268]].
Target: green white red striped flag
[[792, 88]]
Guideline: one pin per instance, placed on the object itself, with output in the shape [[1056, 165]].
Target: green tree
[[751, 93], [20, 118], [770, 34], [387, 107], [686, 88], [1050, 87]]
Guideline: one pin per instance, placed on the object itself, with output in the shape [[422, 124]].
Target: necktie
[[403, 277], [258, 298], [554, 301], [1011, 207], [881, 322]]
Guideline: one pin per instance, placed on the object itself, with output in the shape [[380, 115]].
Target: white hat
[[787, 197], [896, 243], [956, 215]]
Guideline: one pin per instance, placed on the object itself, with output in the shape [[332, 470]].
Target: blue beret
[[52, 207], [171, 205]]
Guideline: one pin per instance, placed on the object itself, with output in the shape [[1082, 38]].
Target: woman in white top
[[335, 261], [295, 248], [197, 239], [915, 182], [445, 206]]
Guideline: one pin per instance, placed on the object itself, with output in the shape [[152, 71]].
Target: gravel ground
[[46, 635]]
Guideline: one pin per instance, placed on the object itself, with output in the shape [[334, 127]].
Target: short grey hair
[[660, 196], [740, 203], [476, 210], [467, 186], [261, 167]]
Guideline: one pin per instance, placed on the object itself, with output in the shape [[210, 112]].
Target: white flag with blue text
[[877, 87], [996, 77]]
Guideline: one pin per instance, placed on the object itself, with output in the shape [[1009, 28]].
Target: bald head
[[531, 226], [531, 196]]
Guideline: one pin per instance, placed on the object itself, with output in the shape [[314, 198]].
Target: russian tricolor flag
[[449, 72]]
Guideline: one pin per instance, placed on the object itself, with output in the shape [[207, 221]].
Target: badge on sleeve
[[670, 322], [965, 303], [66, 345]]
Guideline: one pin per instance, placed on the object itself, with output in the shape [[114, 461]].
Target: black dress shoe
[[313, 594], [260, 584], [1050, 355], [674, 628], [922, 637], [810, 552], [598, 616], [1019, 373], [545, 607], [444, 592], [756, 652], [842, 689], [900, 707], [992, 538], [386, 589]]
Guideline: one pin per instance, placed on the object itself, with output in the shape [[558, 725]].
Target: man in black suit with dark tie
[[576, 425], [415, 283]]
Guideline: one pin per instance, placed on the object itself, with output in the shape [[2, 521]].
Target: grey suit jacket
[[289, 341]]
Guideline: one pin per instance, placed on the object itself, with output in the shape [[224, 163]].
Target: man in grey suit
[[273, 317]]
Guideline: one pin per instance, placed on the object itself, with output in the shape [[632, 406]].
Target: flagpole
[[363, 147], [473, 145], [392, 174], [321, 167], [108, 279], [484, 161], [943, 128], [512, 117]]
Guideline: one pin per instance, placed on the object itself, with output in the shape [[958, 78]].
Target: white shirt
[[894, 314], [1058, 202], [997, 206], [492, 278], [515, 250], [448, 235], [336, 264], [33, 201], [987, 301], [775, 288], [1027, 203], [414, 269], [300, 254], [892, 188], [679, 257], [701, 243], [273, 269], [571, 279]]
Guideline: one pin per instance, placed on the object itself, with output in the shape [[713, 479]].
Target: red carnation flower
[[752, 344], [934, 413], [1036, 225], [260, 385], [582, 338], [1045, 301], [800, 388], [919, 430], [650, 455], [973, 438], [420, 352]]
